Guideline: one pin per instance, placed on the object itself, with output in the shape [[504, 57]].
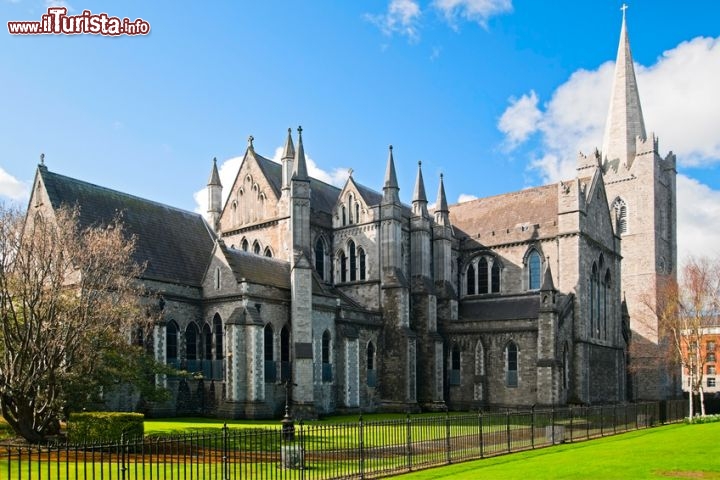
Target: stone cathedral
[[353, 300]]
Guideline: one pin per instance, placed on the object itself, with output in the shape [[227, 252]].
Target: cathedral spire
[[300, 167], [419, 202], [442, 214], [547, 283], [214, 189], [391, 189], [287, 161], [625, 119], [214, 175]]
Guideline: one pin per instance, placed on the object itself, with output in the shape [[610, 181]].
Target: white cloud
[[478, 11], [520, 119], [229, 168], [402, 17], [680, 102], [698, 217], [58, 3], [11, 187], [466, 197]]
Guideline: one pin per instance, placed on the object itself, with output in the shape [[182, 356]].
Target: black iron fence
[[364, 449]]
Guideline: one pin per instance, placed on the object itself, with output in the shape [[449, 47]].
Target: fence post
[[447, 434], [361, 435], [480, 426], [225, 463], [572, 416], [587, 423], [122, 455], [615, 418], [408, 439], [552, 424], [532, 426], [507, 428]]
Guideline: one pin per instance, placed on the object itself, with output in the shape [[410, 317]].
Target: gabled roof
[[496, 219], [257, 268], [263, 270], [175, 244]]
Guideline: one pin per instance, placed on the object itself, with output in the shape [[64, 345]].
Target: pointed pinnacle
[[300, 167]]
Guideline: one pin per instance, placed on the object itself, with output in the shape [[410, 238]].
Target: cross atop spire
[[250, 142], [300, 167], [623, 8], [624, 122]]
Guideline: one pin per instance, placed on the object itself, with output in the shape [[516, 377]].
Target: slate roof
[[500, 308], [258, 268], [263, 270], [496, 220], [175, 244]]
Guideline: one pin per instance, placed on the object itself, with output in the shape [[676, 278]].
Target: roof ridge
[[124, 194]]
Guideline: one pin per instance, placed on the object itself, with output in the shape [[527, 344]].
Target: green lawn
[[676, 451]]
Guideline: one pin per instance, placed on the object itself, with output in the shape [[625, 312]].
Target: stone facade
[[345, 298]]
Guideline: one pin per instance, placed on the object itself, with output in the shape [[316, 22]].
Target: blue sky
[[499, 95]]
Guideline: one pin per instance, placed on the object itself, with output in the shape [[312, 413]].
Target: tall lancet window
[[353, 260], [470, 277], [320, 258], [534, 265], [621, 216]]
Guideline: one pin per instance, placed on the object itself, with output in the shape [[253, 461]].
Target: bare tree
[[684, 309], [68, 299]]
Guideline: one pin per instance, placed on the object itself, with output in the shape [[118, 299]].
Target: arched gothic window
[[343, 267], [350, 210], [269, 353], [353, 261], [455, 364], [218, 330], [320, 257], [483, 275], [511, 365], [470, 277], [495, 277], [594, 300], [268, 252], [621, 215], [207, 338], [344, 215], [285, 354], [361, 258], [357, 212], [607, 306], [325, 357], [534, 266], [370, 363], [256, 248], [244, 245], [171, 343], [192, 334]]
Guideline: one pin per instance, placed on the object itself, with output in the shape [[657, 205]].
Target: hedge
[[94, 427]]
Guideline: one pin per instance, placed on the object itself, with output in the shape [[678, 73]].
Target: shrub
[[703, 419], [98, 427]]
